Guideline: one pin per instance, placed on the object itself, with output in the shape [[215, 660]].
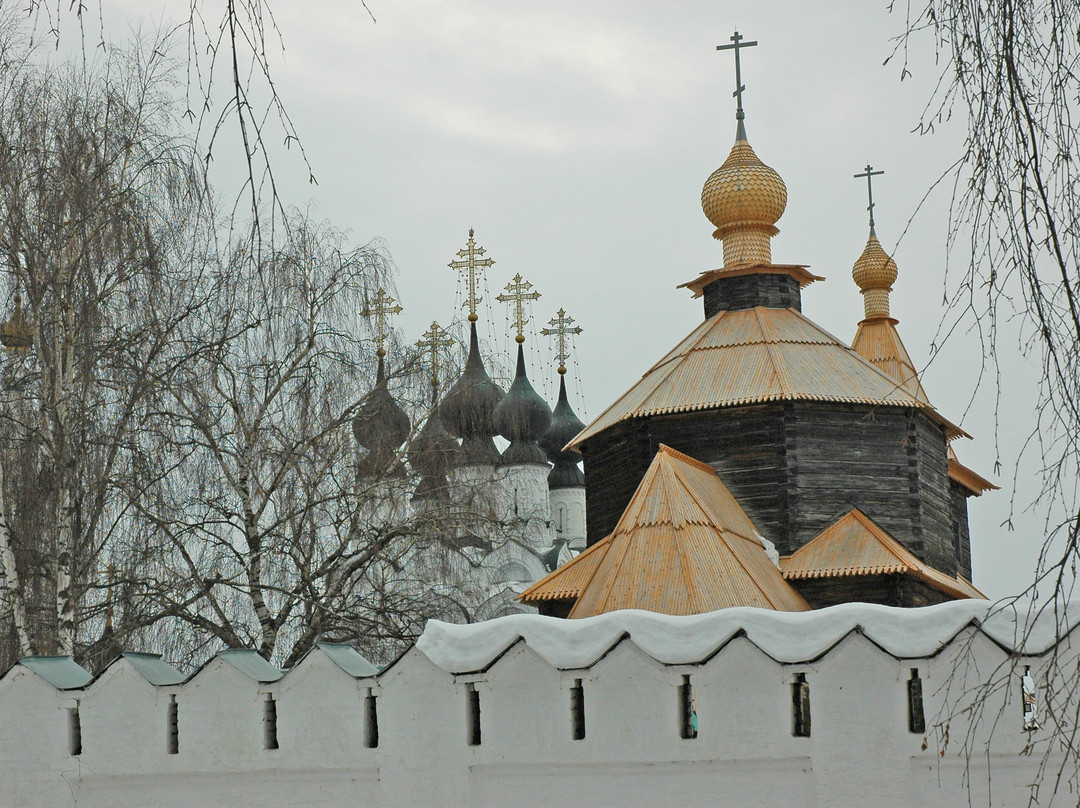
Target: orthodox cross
[[382, 305], [868, 173], [736, 44], [517, 293], [561, 331], [472, 264], [432, 342]]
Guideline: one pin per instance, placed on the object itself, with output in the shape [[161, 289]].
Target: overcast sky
[[575, 137]]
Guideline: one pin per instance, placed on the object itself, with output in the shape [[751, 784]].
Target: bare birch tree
[[1009, 69], [97, 203]]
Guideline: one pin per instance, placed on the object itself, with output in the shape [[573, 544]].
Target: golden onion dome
[[744, 199], [874, 273]]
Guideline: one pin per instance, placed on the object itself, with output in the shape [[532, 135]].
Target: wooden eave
[[855, 546], [755, 356], [969, 479], [797, 271]]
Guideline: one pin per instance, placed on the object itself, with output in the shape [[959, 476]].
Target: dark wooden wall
[[747, 291], [961, 531], [796, 467]]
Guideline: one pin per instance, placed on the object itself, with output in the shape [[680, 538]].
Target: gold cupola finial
[[875, 271], [744, 198], [517, 292]]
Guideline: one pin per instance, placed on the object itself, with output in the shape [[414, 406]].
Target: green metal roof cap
[[62, 672], [348, 659], [249, 663], [153, 670]]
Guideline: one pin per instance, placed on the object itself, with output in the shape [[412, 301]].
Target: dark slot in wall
[[74, 731], [172, 724], [800, 697], [577, 711], [472, 715], [371, 721], [688, 720], [916, 716], [270, 740]]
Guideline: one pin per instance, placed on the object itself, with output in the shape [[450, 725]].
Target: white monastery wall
[[631, 667]]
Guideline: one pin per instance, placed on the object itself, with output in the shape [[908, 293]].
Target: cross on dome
[[736, 44], [432, 342], [517, 293], [869, 172], [561, 323], [473, 265], [380, 307]]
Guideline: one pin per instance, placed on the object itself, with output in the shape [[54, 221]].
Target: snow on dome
[[787, 637]]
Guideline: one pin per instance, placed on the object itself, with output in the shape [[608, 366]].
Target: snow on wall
[[342, 735]]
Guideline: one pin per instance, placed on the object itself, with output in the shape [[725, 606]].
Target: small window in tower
[[371, 721], [688, 721], [1027, 691], [270, 723], [472, 715], [916, 717], [74, 731], [577, 711], [800, 696], [172, 726], [956, 539]]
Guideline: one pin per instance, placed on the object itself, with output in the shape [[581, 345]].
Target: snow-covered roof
[[788, 637]]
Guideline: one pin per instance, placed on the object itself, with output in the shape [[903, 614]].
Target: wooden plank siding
[[796, 467]]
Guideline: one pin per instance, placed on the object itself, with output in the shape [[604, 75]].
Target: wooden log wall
[[796, 467]]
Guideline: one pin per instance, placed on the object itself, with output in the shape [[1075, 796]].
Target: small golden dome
[[744, 199], [874, 274]]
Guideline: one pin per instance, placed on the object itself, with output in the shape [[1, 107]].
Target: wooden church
[[762, 461]]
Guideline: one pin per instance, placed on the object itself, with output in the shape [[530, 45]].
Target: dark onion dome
[[467, 408], [380, 425], [521, 418], [564, 426], [432, 455]]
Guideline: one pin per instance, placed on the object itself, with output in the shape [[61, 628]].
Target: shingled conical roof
[[682, 546]]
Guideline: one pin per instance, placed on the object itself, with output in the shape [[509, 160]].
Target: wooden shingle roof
[[682, 546], [757, 355], [878, 341], [855, 546]]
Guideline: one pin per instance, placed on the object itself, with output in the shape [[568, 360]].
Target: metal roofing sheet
[[153, 670], [677, 549], [62, 672], [249, 663], [753, 356], [854, 545], [348, 659]]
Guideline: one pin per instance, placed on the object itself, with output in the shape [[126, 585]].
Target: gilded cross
[[473, 265], [561, 329], [432, 342], [868, 173], [381, 306], [737, 43], [517, 292]]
